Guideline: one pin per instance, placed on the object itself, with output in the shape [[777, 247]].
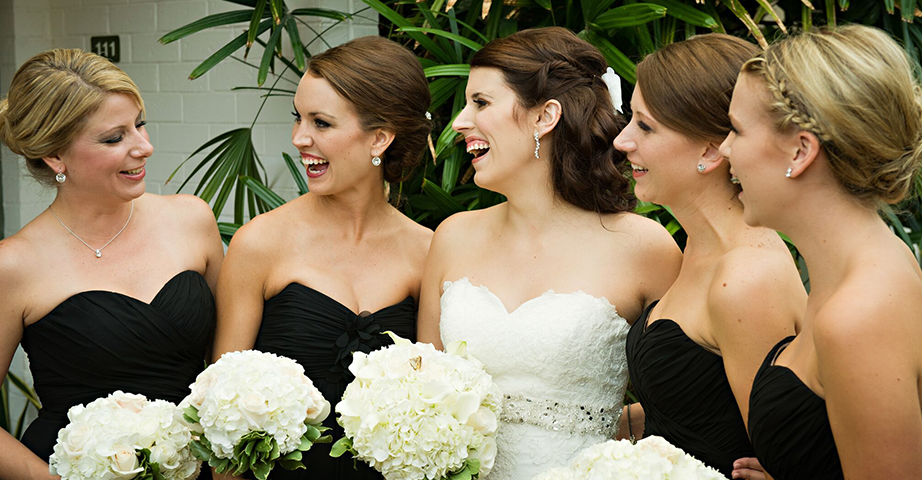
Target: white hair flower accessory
[[613, 82]]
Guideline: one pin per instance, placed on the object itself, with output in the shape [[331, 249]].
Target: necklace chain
[[98, 251]]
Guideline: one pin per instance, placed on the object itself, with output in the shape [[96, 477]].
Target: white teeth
[[135, 171], [638, 168], [312, 161], [477, 146]]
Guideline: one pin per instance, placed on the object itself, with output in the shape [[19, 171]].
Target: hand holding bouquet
[[124, 436], [252, 410], [652, 458], [416, 413]]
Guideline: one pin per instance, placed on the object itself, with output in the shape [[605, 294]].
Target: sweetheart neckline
[[771, 364], [549, 292], [117, 294], [646, 327], [340, 304]]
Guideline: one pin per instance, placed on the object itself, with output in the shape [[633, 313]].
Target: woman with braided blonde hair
[[827, 130]]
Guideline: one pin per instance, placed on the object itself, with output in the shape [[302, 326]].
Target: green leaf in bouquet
[[261, 470], [190, 413], [201, 451], [291, 464], [312, 434], [265, 446], [324, 439], [276, 452], [221, 465], [342, 446], [293, 455]]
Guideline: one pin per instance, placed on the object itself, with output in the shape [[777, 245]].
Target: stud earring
[[376, 161], [701, 168], [789, 172], [60, 177], [537, 144]]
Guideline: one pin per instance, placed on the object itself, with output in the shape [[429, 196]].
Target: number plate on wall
[[108, 47]]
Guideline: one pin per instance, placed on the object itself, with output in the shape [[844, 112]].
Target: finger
[[748, 462], [748, 474]]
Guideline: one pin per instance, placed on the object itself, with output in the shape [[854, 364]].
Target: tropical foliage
[[9, 422], [444, 34]]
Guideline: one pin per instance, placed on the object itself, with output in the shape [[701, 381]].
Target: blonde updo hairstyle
[[50, 98], [853, 88]]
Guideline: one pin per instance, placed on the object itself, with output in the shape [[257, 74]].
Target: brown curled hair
[[853, 88], [50, 98], [392, 95], [542, 64], [688, 85]]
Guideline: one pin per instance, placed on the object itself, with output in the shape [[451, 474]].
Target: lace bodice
[[559, 360]]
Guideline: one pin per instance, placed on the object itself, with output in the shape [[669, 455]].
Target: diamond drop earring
[[537, 144], [376, 161], [60, 177], [789, 172]]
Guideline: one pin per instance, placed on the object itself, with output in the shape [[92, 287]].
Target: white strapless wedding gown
[[559, 360]]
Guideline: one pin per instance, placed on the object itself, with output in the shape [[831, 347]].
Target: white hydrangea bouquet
[[252, 411], [652, 458], [124, 436], [416, 413]]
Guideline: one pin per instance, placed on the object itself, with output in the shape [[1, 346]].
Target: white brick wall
[[182, 114]]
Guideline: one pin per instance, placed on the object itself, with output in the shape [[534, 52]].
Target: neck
[[533, 205], [355, 211], [712, 219], [92, 220], [829, 234]]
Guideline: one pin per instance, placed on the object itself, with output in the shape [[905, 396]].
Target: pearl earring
[[789, 172], [60, 177], [376, 161], [537, 144]]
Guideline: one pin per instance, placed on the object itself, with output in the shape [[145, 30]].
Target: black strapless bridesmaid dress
[[685, 393], [321, 334], [97, 342], [789, 426]]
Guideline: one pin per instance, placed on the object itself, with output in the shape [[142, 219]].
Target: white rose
[[125, 462], [129, 401], [255, 408], [318, 412], [76, 439]]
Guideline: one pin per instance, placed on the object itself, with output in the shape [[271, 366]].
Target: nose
[[143, 149], [300, 137], [624, 142], [724, 148], [463, 121]]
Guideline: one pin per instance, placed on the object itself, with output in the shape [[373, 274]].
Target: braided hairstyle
[[853, 88], [553, 63]]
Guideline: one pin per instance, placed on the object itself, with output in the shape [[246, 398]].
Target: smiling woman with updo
[[827, 131], [324, 275], [109, 288]]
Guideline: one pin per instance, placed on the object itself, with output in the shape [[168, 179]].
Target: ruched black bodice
[[321, 334], [97, 342], [685, 394], [789, 426]]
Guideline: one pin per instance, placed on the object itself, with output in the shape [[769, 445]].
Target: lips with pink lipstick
[[477, 147], [638, 171], [134, 174], [316, 166]]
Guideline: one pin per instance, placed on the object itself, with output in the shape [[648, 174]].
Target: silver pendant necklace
[[98, 251]]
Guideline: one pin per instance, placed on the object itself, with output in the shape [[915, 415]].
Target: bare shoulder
[[418, 236], [181, 206], [16, 253], [748, 271], [464, 225], [872, 307], [642, 233]]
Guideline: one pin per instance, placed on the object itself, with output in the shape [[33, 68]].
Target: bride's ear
[[547, 117]]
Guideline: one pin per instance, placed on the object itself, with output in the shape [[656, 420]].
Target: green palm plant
[[444, 34], [15, 425]]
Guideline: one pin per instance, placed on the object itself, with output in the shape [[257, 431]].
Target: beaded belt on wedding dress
[[556, 416]]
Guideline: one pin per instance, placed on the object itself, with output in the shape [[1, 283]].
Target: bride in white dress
[[542, 287]]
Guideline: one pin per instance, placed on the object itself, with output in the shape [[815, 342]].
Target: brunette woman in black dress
[[692, 355], [324, 275]]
